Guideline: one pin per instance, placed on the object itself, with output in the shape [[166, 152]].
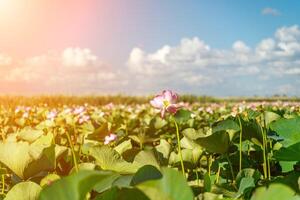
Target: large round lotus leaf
[[290, 153], [226, 125], [288, 129], [60, 151], [287, 166], [252, 131], [28, 160], [24, 191], [49, 179], [164, 148], [159, 123], [45, 125], [99, 133], [29, 134], [187, 143], [275, 192], [123, 181], [106, 184], [248, 172], [43, 153], [172, 186], [122, 194], [182, 116], [18, 158], [145, 173], [217, 142], [145, 157], [246, 183], [188, 155], [76, 186], [109, 159], [270, 117], [124, 146], [291, 180]]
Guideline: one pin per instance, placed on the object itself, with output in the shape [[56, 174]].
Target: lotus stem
[[3, 184], [269, 168], [209, 161], [80, 147], [231, 168], [249, 148], [241, 137], [218, 174], [266, 145], [179, 147], [72, 150], [264, 152], [197, 177]]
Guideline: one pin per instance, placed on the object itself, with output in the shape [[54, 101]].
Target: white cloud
[[270, 11], [293, 71], [288, 34], [5, 60], [265, 47], [241, 47], [193, 65], [286, 89], [74, 70], [76, 57]]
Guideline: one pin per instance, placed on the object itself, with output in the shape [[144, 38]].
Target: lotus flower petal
[[157, 102], [163, 112], [166, 102], [109, 138], [170, 96], [172, 108]]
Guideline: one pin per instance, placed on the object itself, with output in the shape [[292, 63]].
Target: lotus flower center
[[166, 103]]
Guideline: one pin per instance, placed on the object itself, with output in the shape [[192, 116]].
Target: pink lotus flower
[[51, 115], [109, 138], [79, 110], [165, 102], [18, 109], [109, 106], [25, 115], [209, 110], [67, 110], [83, 118]]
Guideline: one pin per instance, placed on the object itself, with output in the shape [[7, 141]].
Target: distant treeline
[[60, 100]]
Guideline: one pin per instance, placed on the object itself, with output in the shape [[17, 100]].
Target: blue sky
[[151, 24], [211, 47]]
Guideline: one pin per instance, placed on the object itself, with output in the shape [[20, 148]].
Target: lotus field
[[165, 149]]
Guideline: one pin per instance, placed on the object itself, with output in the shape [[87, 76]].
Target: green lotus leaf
[[275, 192], [172, 186], [75, 186], [288, 129], [24, 191]]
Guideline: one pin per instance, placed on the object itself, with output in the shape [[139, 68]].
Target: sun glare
[[6, 5], [10, 10]]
